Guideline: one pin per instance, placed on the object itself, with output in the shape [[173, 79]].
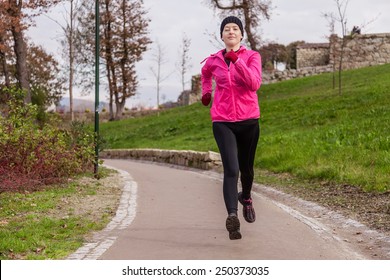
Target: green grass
[[307, 129], [43, 224]]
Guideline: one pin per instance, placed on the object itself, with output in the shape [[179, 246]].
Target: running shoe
[[247, 211], [233, 226]]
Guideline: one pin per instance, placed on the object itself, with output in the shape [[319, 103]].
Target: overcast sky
[[291, 20]]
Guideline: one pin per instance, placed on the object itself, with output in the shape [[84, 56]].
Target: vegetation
[[34, 154], [53, 223], [307, 129], [44, 212]]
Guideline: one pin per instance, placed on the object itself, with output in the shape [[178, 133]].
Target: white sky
[[291, 20]]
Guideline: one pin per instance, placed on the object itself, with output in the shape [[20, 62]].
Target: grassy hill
[[308, 130]]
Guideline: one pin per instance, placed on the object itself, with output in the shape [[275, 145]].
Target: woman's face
[[231, 36]]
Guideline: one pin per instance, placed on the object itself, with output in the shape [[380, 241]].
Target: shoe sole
[[251, 219], [233, 227]]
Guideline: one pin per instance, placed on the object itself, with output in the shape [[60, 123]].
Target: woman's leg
[[227, 144], [247, 139]]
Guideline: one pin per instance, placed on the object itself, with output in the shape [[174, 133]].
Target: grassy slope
[[307, 129]]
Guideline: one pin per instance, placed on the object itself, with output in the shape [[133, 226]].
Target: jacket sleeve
[[251, 71], [206, 78]]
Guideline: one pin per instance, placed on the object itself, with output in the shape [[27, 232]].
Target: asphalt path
[[170, 213]]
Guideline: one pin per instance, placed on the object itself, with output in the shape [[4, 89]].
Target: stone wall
[[201, 160], [361, 50], [288, 74]]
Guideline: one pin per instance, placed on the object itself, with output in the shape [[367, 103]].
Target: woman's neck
[[234, 48]]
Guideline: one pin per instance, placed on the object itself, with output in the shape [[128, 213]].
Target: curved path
[[177, 213]]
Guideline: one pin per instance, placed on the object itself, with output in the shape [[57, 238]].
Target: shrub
[[33, 155]]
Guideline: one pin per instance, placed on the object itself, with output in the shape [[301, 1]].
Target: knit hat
[[232, 19]]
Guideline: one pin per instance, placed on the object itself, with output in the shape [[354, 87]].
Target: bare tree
[[338, 52], [70, 31], [69, 44], [342, 19], [251, 11], [159, 59], [183, 64], [330, 17]]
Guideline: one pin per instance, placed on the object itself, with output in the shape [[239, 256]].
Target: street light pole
[[97, 55]]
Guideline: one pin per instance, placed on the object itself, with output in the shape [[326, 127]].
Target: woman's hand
[[232, 56], [206, 98]]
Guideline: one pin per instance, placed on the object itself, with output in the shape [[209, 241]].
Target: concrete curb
[[125, 215]]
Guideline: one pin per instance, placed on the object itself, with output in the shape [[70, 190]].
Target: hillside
[[307, 129]]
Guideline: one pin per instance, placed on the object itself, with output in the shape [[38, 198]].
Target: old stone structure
[[312, 55], [189, 97], [361, 50]]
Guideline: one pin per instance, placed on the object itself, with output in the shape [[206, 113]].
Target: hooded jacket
[[235, 96]]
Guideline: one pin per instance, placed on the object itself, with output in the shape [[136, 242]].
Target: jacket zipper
[[232, 93]]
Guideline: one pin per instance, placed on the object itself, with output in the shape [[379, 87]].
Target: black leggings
[[237, 144]]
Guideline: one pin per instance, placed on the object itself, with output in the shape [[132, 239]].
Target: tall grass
[[307, 129]]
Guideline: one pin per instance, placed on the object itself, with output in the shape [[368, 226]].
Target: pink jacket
[[235, 96]]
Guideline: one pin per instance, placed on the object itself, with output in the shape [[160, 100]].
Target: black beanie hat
[[232, 19]]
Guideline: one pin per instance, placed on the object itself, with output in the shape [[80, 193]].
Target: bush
[[33, 155]]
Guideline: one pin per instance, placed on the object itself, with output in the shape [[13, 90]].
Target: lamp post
[[97, 54]]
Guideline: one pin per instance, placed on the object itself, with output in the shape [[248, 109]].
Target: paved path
[[175, 213]]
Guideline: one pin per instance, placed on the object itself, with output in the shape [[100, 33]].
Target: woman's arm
[[206, 78], [250, 72]]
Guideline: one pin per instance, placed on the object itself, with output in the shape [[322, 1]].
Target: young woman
[[235, 115]]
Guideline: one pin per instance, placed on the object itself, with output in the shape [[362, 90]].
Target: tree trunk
[[3, 63], [111, 75], [119, 109], [111, 93], [111, 109], [21, 62], [343, 43], [71, 91]]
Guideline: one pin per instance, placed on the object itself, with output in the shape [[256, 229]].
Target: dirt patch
[[371, 209], [96, 199]]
